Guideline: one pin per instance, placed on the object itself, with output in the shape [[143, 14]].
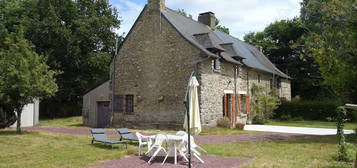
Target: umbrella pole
[[187, 104], [189, 137]]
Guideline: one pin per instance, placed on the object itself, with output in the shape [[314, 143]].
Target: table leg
[[175, 153]]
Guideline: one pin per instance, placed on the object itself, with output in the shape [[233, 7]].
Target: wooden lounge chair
[[98, 135], [126, 134]]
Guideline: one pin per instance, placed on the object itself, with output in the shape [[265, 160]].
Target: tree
[[78, 39], [24, 75], [282, 44], [331, 41], [7, 116], [183, 13], [221, 27]]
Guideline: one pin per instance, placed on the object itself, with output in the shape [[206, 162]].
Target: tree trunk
[[356, 161], [18, 121]]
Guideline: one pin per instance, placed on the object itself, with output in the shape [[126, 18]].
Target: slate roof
[[206, 39]]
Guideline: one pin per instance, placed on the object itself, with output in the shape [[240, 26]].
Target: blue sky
[[240, 16]]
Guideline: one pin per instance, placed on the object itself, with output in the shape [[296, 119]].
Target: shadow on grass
[[325, 139], [108, 146], [13, 133], [76, 125]]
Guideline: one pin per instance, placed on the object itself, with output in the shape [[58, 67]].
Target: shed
[[29, 115], [95, 110]]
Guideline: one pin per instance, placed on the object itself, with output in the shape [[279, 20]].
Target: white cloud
[[240, 16]]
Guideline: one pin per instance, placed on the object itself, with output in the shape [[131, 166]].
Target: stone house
[[149, 75]]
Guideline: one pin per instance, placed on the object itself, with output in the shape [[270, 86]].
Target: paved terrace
[[294, 130]]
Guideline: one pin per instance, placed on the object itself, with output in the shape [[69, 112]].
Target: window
[[129, 103], [271, 83], [216, 65], [118, 103], [258, 78]]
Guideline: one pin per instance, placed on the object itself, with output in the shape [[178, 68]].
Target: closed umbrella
[[194, 109]]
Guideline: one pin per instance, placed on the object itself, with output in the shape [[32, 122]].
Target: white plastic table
[[172, 138]]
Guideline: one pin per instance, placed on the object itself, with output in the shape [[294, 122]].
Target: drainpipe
[[113, 79], [236, 73]]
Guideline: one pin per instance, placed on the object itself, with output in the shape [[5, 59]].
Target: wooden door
[[103, 114]]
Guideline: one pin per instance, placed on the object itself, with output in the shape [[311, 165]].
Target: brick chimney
[[208, 18], [156, 4]]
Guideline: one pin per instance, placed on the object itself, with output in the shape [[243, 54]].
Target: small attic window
[[216, 65]]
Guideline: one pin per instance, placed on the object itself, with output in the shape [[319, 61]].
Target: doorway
[[103, 114], [230, 109]]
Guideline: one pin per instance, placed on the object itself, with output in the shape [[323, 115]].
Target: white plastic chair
[[181, 133], [159, 140], [192, 141], [143, 141], [194, 146]]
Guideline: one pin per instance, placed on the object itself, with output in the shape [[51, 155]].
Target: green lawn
[[314, 124], [63, 122], [311, 152], [42, 150]]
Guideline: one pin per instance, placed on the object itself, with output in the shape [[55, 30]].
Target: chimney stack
[[208, 18], [156, 4]]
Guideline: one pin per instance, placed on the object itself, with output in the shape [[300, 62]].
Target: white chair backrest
[[181, 133], [192, 141], [140, 137], [159, 139]]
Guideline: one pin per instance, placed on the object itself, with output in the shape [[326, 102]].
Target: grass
[[309, 152], [314, 124], [40, 150], [63, 122]]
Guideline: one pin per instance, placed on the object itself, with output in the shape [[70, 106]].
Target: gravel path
[[210, 139], [211, 161]]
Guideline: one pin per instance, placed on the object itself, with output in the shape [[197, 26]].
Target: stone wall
[[285, 89], [212, 89], [154, 64]]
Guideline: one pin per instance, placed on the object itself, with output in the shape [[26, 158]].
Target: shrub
[[285, 117], [224, 122], [308, 110], [7, 117], [263, 103], [299, 118], [240, 126], [259, 120]]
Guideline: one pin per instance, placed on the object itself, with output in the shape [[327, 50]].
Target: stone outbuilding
[[149, 75], [96, 111]]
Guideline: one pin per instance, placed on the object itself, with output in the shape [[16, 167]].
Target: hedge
[[308, 110]]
